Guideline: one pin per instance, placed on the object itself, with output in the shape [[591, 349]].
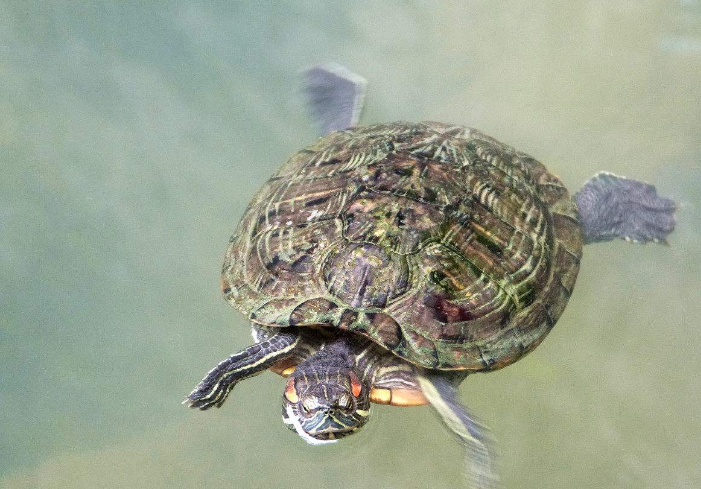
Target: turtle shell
[[443, 245]]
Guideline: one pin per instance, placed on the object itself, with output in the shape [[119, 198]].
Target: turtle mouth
[[328, 430], [322, 428]]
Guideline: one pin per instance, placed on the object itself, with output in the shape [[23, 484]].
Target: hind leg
[[334, 96], [440, 389], [616, 207]]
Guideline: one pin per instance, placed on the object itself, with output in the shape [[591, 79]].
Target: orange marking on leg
[[398, 397], [288, 371], [284, 367], [380, 396], [408, 397]]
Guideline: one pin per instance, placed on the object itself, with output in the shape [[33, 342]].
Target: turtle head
[[323, 406]]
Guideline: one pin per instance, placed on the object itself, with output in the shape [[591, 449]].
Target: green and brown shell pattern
[[443, 245]]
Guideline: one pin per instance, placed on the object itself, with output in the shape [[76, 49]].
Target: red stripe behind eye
[[290, 391], [356, 386]]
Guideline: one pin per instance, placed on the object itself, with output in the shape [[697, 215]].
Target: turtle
[[385, 263]]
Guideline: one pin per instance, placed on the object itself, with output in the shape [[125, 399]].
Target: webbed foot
[[334, 96], [213, 390], [616, 207]]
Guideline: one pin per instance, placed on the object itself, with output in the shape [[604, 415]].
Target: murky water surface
[[132, 137]]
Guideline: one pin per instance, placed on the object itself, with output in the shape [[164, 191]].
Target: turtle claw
[[616, 207], [211, 391], [206, 396]]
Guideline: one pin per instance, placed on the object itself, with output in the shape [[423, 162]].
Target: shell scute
[[364, 275], [386, 329], [396, 223], [284, 261], [319, 309], [416, 178]]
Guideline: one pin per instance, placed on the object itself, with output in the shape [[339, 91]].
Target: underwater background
[[133, 134]]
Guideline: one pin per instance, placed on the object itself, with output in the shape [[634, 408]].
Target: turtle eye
[[344, 402], [309, 404]]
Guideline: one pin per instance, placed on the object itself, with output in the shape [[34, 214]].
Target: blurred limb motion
[[334, 96], [443, 395]]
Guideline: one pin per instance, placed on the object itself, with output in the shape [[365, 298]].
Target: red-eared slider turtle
[[385, 263]]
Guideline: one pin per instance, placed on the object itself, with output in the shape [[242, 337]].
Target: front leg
[[215, 387], [616, 207]]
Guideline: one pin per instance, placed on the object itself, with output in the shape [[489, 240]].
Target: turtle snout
[[327, 398]]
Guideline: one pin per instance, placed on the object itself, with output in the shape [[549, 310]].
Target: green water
[[132, 136]]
